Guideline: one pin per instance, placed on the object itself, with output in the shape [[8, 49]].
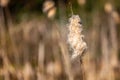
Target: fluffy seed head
[[75, 37]]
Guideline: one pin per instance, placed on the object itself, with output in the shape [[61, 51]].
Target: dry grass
[[36, 49]]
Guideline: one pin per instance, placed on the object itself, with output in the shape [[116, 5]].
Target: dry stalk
[[114, 42], [41, 54], [66, 59], [106, 72], [28, 71]]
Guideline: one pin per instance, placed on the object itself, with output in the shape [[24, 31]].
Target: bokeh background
[[33, 36]]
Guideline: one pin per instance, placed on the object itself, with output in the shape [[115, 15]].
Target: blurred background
[[33, 36]]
